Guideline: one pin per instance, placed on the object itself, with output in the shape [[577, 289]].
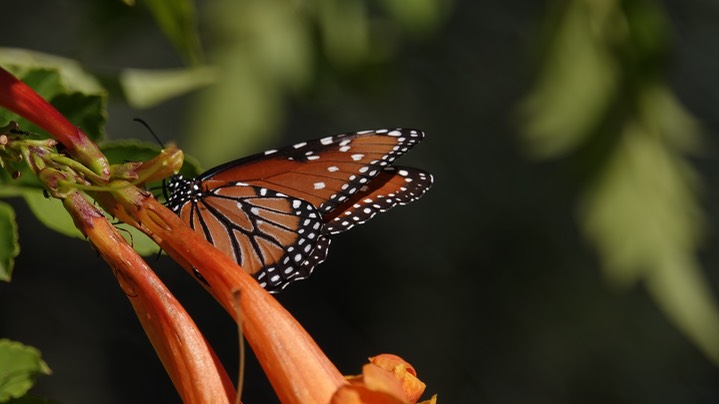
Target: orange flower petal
[[404, 372], [388, 379], [432, 400], [375, 385]]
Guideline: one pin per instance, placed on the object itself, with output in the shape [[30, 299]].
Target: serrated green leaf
[[178, 20], [19, 365], [9, 246]]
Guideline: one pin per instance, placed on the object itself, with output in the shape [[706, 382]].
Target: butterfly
[[274, 212]]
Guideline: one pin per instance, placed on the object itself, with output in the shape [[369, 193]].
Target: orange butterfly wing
[[273, 212]]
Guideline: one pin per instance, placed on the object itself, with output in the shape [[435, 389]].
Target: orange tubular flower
[[193, 367], [295, 365], [386, 379], [24, 101]]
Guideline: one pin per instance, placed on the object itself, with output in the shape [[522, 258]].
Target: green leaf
[[602, 96], [577, 84], [85, 109], [10, 186], [345, 29], [147, 88], [419, 16], [71, 72], [178, 20], [9, 246], [266, 52], [51, 213], [19, 365], [644, 216]]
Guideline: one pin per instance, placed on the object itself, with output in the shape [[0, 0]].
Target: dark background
[[485, 285]]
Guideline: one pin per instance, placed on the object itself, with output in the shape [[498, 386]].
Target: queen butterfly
[[273, 212]]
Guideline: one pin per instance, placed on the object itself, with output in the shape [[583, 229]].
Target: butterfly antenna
[[149, 129]]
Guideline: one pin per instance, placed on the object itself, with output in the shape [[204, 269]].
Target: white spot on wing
[[357, 157], [319, 185], [326, 140], [332, 169], [301, 144]]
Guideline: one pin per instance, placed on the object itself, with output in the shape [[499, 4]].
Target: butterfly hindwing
[[393, 186], [263, 230]]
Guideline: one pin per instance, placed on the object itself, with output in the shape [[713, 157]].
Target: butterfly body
[[273, 212]]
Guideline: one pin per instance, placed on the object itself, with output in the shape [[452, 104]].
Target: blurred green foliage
[[266, 51], [600, 102], [19, 366], [602, 99], [261, 51], [9, 247]]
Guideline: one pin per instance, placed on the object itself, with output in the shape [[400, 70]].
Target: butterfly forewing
[[273, 212], [324, 172]]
